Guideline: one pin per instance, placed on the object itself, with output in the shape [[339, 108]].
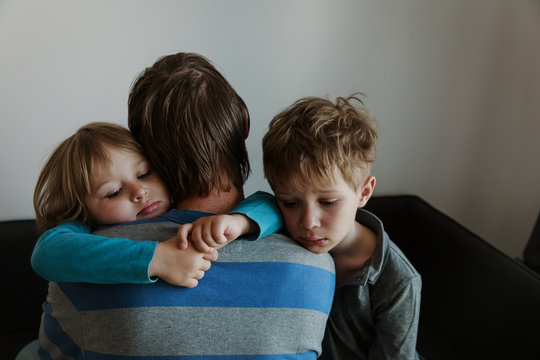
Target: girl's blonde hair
[[66, 177], [308, 141]]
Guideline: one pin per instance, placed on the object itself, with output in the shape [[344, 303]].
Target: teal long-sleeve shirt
[[70, 253]]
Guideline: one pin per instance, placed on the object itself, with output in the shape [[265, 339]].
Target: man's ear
[[366, 191], [246, 122]]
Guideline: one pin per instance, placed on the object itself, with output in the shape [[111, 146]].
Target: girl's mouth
[[149, 208]]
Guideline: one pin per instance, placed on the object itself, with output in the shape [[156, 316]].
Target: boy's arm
[[255, 217], [397, 326], [70, 253]]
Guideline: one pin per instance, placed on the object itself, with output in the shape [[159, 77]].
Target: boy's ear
[[366, 191]]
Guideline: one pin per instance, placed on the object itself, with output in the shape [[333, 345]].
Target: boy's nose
[[310, 218]]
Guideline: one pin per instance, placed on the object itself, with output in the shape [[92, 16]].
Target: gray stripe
[[144, 231], [272, 248], [65, 312], [218, 331]]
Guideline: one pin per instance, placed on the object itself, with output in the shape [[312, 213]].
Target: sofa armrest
[[24, 290]]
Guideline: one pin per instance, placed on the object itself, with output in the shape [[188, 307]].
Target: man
[[269, 298]]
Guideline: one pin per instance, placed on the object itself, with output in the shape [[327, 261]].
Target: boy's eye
[[327, 202], [114, 194], [289, 203], [145, 175]]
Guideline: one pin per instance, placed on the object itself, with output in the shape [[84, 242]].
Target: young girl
[[99, 176]]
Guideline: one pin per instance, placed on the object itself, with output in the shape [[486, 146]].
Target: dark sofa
[[477, 303], [24, 290]]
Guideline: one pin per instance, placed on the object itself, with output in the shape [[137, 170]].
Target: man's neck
[[218, 202]]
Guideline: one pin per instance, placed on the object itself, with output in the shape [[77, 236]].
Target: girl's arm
[[254, 218], [261, 207], [70, 253]]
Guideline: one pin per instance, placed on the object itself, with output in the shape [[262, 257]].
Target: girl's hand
[[213, 232], [180, 267]]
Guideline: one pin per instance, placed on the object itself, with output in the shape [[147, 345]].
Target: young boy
[[317, 158]]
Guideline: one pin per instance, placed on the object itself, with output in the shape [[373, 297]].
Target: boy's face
[[322, 218], [126, 189]]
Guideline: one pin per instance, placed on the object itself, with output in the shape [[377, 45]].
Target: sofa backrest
[[531, 254], [477, 303]]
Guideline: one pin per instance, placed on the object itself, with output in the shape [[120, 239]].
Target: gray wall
[[454, 85]]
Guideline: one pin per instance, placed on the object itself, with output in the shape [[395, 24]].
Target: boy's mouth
[[148, 208], [313, 241]]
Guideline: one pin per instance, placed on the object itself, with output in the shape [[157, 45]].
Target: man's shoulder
[[274, 248], [160, 228], [154, 230]]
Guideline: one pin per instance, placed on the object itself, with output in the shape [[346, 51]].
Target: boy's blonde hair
[[307, 142], [66, 177]]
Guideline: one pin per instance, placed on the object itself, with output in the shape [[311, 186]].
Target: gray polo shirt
[[375, 312]]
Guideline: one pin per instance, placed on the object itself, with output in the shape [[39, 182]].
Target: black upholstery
[[24, 290], [531, 254]]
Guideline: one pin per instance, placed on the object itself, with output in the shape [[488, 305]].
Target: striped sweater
[[265, 299]]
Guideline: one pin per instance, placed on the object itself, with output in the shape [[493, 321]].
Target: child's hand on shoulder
[[180, 267], [213, 232]]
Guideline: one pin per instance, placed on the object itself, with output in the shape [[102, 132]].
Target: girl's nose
[[139, 193]]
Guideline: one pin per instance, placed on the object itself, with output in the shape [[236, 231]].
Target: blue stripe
[[184, 216], [56, 334], [310, 355], [43, 355], [235, 284]]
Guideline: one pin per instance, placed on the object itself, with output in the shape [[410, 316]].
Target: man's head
[[191, 124], [317, 158]]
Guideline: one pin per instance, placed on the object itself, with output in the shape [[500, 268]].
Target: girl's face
[[323, 218], [126, 189]]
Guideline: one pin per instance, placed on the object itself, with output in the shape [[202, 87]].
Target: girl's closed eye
[[114, 194], [144, 175]]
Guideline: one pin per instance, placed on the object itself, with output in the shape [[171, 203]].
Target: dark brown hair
[[191, 124]]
